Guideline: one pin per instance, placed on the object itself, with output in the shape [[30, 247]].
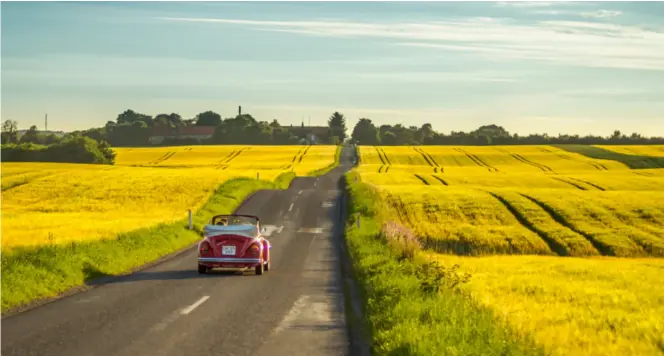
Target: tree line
[[366, 133], [134, 129]]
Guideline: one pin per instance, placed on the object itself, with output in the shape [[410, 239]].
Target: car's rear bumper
[[228, 262]]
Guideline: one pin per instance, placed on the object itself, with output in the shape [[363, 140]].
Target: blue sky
[[545, 67]]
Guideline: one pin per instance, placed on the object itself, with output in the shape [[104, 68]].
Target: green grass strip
[[402, 317], [29, 274]]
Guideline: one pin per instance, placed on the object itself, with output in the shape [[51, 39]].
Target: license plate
[[228, 250]]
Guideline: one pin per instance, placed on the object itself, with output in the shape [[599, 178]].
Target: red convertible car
[[234, 241]]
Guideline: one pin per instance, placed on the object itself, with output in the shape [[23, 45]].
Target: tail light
[[254, 250], [205, 248]]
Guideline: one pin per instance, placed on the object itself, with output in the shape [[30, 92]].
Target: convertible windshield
[[232, 220]]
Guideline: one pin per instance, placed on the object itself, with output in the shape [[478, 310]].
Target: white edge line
[[291, 207], [190, 308]]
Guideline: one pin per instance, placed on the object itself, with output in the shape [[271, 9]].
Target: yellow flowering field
[[640, 150], [299, 159], [59, 203], [573, 306], [565, 247]]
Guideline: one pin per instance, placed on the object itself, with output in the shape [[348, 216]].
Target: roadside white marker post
[[191, 222]]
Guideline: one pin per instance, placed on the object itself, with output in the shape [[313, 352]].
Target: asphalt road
[[296, 308]]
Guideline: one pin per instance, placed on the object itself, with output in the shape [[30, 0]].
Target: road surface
[[296, 308]]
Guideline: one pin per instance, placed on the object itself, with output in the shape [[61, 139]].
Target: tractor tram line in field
[[588, 183], [235, 155], [383, 159], [600, 246], [645, 174], [570, 183], [477, 160], [554, 245], [441, 180], [524, 160], [297, 158], [596, 165], [227, 157], [424, 181], [429, 159], [163, 158]]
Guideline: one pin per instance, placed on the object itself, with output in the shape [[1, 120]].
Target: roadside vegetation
[[563, 249]]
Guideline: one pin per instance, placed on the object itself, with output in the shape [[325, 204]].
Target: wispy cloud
[[440, 77], [526, 4], [577, 43], [561, 119], [600, 14]]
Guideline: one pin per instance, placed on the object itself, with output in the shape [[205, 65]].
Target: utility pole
[[239, 110], [46, 122]]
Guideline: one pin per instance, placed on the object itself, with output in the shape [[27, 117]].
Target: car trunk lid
[[230, 245]]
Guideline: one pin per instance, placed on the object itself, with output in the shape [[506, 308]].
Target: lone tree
[[337, 124], [208, 118], [9, 131], [366, 133]]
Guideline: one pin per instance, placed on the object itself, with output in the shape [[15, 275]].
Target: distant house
[[200, 133], [312, 134]]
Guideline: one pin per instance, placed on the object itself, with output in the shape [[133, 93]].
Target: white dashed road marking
[[291, 207], [311, 230], [190, 308]]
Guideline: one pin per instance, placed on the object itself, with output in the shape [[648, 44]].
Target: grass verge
[[324, 170], [412, 306], [31, 274]]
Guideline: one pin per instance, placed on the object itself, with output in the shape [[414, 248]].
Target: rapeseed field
[[563, 246], [299, 159], [573, 306], [59, 203], [640, 150]]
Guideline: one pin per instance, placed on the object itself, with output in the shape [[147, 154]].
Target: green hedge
[[79, 149]]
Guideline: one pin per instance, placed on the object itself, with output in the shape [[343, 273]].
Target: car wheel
[[267, 264], [202, 269], [260, 268]]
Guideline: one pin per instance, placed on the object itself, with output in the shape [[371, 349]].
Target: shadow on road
[[167, 276]]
